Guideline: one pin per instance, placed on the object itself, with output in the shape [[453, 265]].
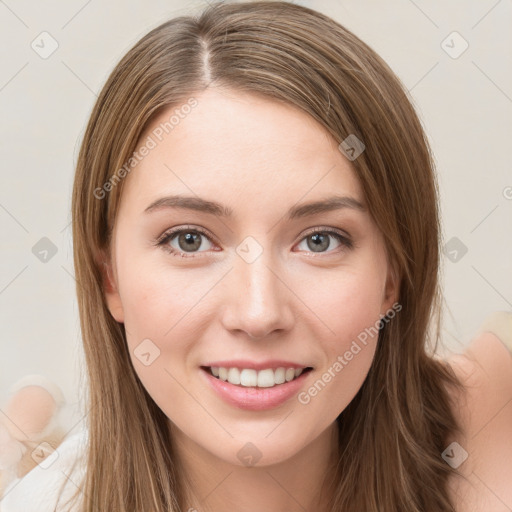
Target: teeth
[[279, 376], [248, 378], [251, 378], [234, 376], [223, 374], [266, 378]]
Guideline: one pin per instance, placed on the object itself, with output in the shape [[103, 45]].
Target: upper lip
[[263, 365]]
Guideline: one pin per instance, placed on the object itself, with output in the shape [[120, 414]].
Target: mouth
[[251, 378]]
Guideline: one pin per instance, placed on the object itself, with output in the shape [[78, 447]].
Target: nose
[[259, 301]]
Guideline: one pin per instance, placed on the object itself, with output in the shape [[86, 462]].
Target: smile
[[248, 377], [255, 397]]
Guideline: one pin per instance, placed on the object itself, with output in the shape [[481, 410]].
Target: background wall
[[454, 58]]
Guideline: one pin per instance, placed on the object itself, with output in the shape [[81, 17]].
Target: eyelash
[[346, 243]]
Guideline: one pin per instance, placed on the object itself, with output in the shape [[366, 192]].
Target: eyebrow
[[298, 211]]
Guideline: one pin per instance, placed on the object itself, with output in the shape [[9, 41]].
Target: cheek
[[349, 306], [157, 311], [157, 299], [164, 311], [346, 302]]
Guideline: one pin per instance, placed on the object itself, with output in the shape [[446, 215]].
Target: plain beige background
[[460, 83]]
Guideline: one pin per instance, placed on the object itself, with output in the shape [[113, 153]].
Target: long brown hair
[[393, 432]]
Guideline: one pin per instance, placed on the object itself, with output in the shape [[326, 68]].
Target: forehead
[[234, 144]]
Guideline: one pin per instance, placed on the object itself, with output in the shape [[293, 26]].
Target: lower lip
[[253, 398]]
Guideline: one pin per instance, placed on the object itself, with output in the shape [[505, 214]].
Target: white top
[[38, 490]]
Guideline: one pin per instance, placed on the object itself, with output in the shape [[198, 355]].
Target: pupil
[[192, 241], [320, 241]]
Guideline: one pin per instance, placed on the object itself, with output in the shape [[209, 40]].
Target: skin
[[259, 158], [484, 409]]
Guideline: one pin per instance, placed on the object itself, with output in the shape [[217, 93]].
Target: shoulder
[[39, 489], [484, 410]]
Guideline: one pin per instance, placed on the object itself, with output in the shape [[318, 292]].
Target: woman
[[256, 243]]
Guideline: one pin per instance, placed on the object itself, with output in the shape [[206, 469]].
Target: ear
[[391, 288], [110, 288]]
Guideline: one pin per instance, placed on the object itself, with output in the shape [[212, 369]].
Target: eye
[[185, 240], [319, 239]]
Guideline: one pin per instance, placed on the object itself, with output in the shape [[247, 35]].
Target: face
[[257, 281]]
